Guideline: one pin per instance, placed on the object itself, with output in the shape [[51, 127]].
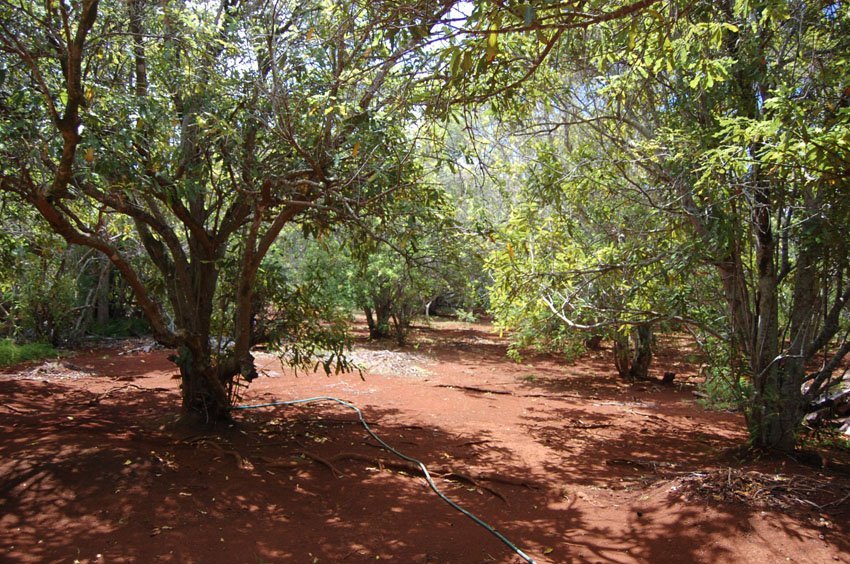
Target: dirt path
[[566, 461]]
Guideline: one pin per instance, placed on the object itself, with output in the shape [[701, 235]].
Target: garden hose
[[401, 455]]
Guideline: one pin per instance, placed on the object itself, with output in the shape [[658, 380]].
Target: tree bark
[[379, 324], [102, 293], [203, 393], [633, 353]]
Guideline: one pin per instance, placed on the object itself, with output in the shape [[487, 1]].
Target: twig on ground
[[837, 502], [97, 399]]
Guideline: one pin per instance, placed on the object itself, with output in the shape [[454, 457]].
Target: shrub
[[12, 353], [722, 391]]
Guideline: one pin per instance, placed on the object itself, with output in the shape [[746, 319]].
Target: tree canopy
[[607, 171], [726, 126]]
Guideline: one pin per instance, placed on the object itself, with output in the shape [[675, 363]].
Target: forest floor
[[564, 459]]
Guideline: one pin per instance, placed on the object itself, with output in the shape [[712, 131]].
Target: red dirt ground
[[568, 462]]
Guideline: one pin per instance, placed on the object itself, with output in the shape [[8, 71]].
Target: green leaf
[[466, 62], [457, 56], [694, 81]]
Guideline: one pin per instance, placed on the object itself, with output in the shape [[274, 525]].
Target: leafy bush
[[11, 353], [535, 331], [724, 392], [466, 316]]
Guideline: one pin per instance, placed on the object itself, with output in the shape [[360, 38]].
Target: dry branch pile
[[763, 490], [49, 371], [391, 363]]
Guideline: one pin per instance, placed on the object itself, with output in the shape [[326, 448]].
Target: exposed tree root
[[474, 483], [441, 471], [401, 465], [382, 463], [324, 462], [97, 399], [241, 462], [281, 464]]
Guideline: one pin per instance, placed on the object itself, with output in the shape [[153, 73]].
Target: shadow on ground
[[118, 477]]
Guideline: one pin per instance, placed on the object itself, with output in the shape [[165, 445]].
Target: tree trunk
[[400, 325], [370, 320], [203, 393], [621, 354], [633, 353], [379, 325], [776, 408], [776, 412], [642, 356], [102, 293]]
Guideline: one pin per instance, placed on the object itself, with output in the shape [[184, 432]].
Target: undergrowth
[[723, 393], [12, 353], [121, 328], [828, 438]]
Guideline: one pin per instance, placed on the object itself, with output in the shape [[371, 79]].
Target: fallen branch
[[509, 393], [508, 481], [558, 396], [647, 415], [579, 424], [838, 399], [473, 443], [648, 464], [476, 389], [97, 399], [16, 410]]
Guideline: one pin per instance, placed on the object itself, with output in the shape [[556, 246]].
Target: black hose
[[403, 456]]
